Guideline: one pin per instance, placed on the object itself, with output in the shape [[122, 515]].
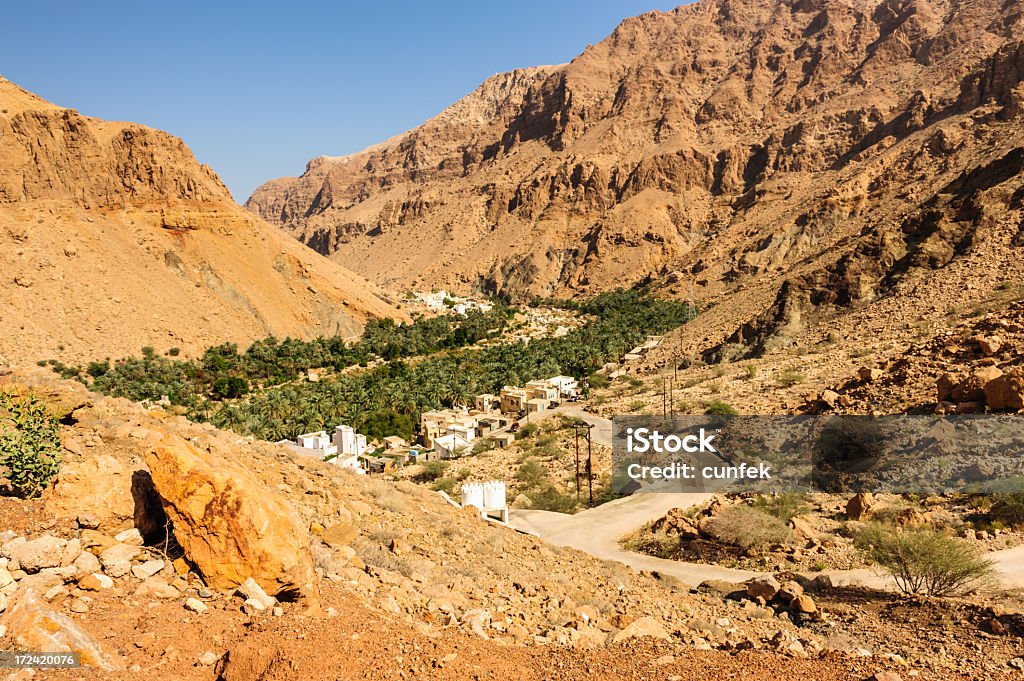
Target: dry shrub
[[749, 528], [925, 561]]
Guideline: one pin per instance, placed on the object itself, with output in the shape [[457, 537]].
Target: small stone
[[97, 581], [79, 605], [88, 522], [803, 604], [208, 659], [148, 569], [204, 592], [195, 605], [55, 592], [253, 606], [250, 590], [157, 588], [278, 611], [117, 560], [131, 537], [765, 587]]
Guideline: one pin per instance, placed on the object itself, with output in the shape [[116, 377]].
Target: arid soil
[[113, 238], [404, 581]]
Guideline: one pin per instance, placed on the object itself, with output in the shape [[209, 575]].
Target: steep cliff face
[[726, 146], [113, 237]]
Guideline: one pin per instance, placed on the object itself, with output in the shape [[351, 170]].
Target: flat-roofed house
[[513, 399], [542, 390], [452, 446], [567, 385], [487, 403], [537, 404]]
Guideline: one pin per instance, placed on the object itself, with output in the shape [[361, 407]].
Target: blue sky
[[258, 88]]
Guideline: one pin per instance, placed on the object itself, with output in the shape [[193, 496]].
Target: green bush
[[30, 449], [783, 506], [720, 408], [1008, 503], [432, 470], [749, 528], [790, 377], [925, 561]]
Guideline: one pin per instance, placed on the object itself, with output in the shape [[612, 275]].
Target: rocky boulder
[[861, 506], [34, 626], [1006, 391], [231, 525]]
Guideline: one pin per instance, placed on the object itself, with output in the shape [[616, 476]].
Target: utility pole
[[664, 399], [590, 461], [671, 397], [577, 433], [590, 467]]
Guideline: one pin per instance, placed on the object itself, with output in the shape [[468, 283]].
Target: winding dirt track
[[597, 531]]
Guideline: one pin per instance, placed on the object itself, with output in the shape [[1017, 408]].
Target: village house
[[317, 444], [536, 405], [513, 399], [487, 403], [348, 442], [567, 386], [542, 390], [503, 439], [395, 442], [452, 446], [434, 424]]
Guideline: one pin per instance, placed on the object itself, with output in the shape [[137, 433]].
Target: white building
[[567, 385], [348, 442], [317, 444], [452, 446], [488, 497]]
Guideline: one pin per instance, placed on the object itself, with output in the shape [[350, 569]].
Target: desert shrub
[[720, 408], [749, 528], [751, 370], [925, 561], [527, 431], [598, 381], [30, 448], [783, 506], [1008, 503], [790, 377], [658, 544], [549, 498], [432, 470]]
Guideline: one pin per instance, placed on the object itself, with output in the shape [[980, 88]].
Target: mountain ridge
[[116, 238], [734, 152]]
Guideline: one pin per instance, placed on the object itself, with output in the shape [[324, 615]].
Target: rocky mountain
[[780, 161], [113, 237]]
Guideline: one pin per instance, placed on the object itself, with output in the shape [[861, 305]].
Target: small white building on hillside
[[452, 446]]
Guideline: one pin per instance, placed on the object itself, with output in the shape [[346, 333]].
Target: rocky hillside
[[113, 237], [171, 548], [779, 161]]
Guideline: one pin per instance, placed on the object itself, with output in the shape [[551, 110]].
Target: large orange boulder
[[1006, 391], [230, 524]]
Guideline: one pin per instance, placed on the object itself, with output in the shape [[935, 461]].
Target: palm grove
[[427, 364]]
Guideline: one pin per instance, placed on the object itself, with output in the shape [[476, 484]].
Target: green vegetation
[[30, 448], [790, 377], [1008, 503], [925, 561], [388, 398], [784, 506], [719, 408]]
